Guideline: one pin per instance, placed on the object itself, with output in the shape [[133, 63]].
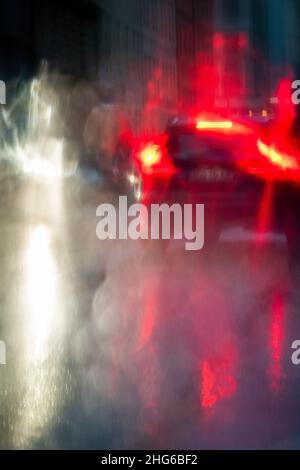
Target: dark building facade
[[233, 53], [138, 56], [194, 40], [186, 51], [66, 33], [129, 45], [63, 32], [16, 39], [160, 54]]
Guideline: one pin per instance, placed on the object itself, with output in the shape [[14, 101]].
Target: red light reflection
[[282, 160], [217, 378], [276, 340]]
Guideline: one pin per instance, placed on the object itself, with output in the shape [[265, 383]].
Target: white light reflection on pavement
[[41, 292], [43, 302], [41, 309]]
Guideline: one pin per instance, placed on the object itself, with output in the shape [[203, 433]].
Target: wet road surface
[[129, 344]]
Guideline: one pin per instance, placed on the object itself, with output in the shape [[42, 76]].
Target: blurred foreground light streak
[[44, 163], [34, 137]]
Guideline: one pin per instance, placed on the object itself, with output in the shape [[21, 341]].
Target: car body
[[231, 167]]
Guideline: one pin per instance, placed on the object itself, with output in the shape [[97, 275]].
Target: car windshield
[[187, 143]]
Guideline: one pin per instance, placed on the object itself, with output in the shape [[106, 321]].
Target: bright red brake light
[[214, 125], [150, 155], [223, 126], [281, 160]]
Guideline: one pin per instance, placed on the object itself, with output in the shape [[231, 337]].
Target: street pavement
[[140, 344]]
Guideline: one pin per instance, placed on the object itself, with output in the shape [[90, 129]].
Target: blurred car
[[230, 166]]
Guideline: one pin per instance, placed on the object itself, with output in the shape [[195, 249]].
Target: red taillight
[[150, 155], [223, 126], [214, 125], [281, 160]]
